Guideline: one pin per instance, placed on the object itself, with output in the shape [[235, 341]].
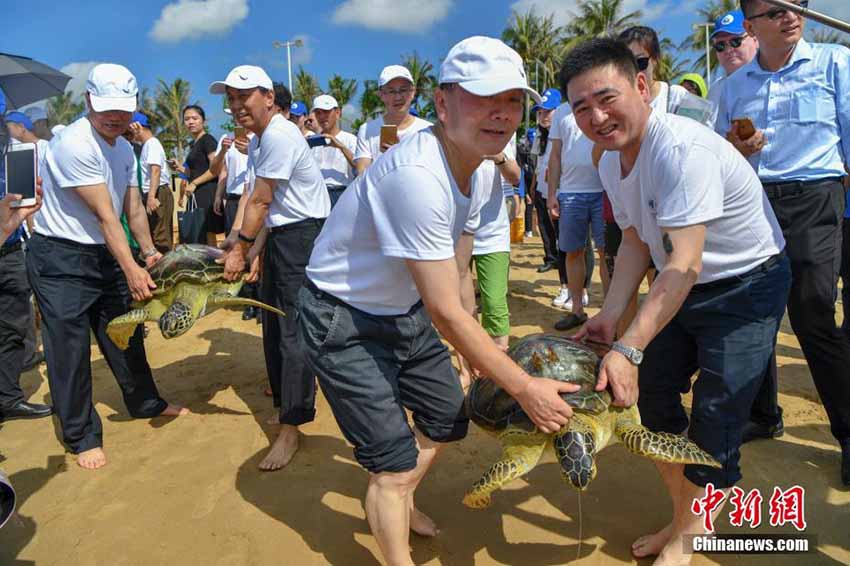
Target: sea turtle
[[188, 282], [595, 422]]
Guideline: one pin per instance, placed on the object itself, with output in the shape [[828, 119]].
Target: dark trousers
[[548, 230], [811, 218], [293, 383], [845, 276], [231, 205], [79, 289], [161, 222], [334, 192], [15, 321]]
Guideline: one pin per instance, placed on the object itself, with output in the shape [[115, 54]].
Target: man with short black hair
[[685, 198], [336, 160]]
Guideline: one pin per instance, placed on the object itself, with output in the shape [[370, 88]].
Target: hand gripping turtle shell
[[595, 423], [188, 283]]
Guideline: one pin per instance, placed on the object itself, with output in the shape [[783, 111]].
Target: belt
[[336, 187], [794, 188], [73, 244], [318, 222], [735, 279], [10, 248], [229, 196]]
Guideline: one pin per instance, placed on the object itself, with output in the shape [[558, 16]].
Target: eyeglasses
[[397, 91], [778, 13], [642, 63], [734, 43]]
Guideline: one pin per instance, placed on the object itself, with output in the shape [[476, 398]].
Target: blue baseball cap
[[19, 118], [530, 134], [549, 100], [141, 118], [298, 108], [2, 102], [731, 23]]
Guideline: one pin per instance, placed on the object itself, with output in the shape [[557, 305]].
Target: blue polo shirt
[[803, 110], [18, 234]]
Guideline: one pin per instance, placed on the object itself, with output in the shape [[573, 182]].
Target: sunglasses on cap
[[642, 63], [734, 43], [778, 13]]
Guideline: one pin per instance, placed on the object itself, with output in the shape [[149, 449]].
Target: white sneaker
[[562, 298], [584, 298], [568, 305], [529, 234]]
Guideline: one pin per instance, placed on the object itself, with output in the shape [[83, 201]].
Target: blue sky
[[201, 40]]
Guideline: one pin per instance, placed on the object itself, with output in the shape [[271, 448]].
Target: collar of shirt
[[802, 52]]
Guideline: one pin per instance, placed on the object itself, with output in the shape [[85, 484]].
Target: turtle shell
[[188, 262], [540, 355]]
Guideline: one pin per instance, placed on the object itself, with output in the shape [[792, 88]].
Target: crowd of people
[[727, 198]]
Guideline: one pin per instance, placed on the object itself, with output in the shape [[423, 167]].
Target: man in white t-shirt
[[684, 197], [336, 160], [393, 257], [397, 91], [288, 196], [81, 268], [153, 169]]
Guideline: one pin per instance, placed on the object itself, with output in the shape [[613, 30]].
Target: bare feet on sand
[[174, 411], [91, 459], [282, 450], [422, 524], [651, 545]]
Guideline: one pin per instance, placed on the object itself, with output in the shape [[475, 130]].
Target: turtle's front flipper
[[575, 448], [662, 446], [120, 329], [521, 452], [228, 301]]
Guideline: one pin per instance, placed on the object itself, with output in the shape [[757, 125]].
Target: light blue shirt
[[803, 110]]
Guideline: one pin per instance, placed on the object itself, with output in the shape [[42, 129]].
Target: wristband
[[245, 238], [503, 161]]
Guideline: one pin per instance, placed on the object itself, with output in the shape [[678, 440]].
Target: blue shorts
[[578, 210]]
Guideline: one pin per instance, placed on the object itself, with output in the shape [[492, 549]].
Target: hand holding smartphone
[[22, 173], [240, 133], [743, 128], [318, 141], [389, 135]]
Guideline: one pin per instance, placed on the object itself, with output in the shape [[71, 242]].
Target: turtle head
[[575, 454], [176, 320]]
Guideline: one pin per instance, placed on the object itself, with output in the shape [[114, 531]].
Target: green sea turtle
[[595, 423], [188, 282]]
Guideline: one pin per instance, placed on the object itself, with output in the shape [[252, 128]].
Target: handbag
[[192, 223]]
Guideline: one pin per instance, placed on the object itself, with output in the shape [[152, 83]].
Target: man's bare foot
[[174, 411], [650, 545], [673, 553], [422, 524], [91, 459], [282, 450]]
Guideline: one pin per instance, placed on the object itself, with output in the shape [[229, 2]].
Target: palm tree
[[696, 42], [63, 109], [169, 102], [147, 105], [370, 102], [342, 89], [826, 35], [598, 18], [424, 80], [672, 65], [306, 86]]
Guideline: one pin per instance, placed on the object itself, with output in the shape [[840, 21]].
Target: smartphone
[[744, 128], [240, 133], [318, 141], [21, 173], [389, 135]]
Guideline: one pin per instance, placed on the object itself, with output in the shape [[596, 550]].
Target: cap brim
[[324, 107], [105, 103], [731, 31], [408, 79], [218, 87], [490, 87]]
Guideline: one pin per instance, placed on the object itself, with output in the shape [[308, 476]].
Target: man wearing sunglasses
[[734, 47], [795, 94]]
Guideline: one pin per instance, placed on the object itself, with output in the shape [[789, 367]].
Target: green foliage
[[168, 103], [696, 41], [305, 87], [63, 109], [424, 80], [342, 89], [370, 102]]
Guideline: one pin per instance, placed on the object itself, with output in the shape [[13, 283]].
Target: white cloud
[[405, 16], [79, 73], [192, 19], [304, 54], [565, 10]]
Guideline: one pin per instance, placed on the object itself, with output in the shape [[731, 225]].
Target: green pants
[[492, 271]]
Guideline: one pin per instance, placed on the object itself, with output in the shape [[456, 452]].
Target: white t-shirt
[[494, 232], [154, 154], [78, 157], [508, 190], [578, 175], [406, 206], [236, 164], [369, 136], [542, 166], [686, 174], [335, 168], [282, 154]]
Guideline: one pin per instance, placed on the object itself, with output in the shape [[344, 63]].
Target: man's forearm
[[629, 269], [255, 213], [348, 156]]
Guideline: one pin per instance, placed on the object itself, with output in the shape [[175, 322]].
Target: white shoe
[[568, 305], [529, 234], [584, 298], [562, 298]]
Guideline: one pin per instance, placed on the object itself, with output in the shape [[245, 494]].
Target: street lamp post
[[288, 44], [707, 26]]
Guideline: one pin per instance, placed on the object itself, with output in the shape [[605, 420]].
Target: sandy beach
[[188, 491]]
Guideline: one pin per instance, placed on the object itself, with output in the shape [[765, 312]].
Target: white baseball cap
[[112, 87], [325, 102], [243, 77], [394, 72], [485, 66]]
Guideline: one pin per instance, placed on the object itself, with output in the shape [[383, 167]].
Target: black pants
[[231, 206], [845, 276], [79, 289], [548, 230], [811, 219], [284, 263], [15, 322]]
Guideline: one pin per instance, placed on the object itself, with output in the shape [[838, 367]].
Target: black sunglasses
[[642, 63], [734, 43], [777, 13]]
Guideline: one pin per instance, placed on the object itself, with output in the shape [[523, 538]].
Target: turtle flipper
[[575, 448], [521, 453], [120, 329], [228, 301], [663, 446]]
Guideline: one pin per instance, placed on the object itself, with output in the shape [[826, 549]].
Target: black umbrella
[[25, 80]]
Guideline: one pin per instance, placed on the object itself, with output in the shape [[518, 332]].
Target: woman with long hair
[[201, 185]]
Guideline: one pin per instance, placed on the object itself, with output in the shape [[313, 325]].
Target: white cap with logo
[[485, 66], [394, 72], [243, 77], [325, 102], [112, 87]]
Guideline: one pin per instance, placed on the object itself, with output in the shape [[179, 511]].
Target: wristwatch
[[632, 354], [150, 252], [503, 161]]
